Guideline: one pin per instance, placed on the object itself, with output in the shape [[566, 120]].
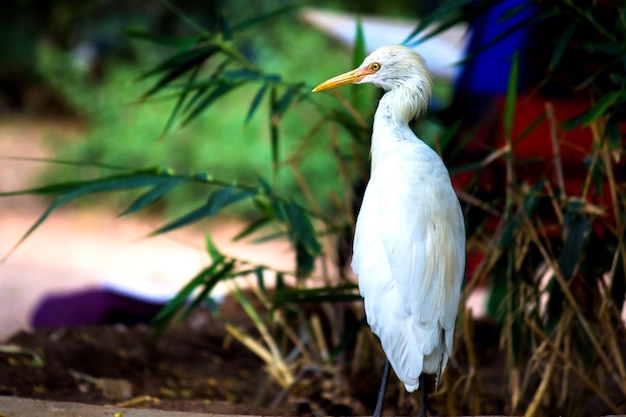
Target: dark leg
[[381, 392], [422, 411]]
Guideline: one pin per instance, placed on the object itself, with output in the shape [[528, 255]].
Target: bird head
[[388, 67]]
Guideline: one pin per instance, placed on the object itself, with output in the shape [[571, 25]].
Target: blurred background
[[530, 123], [69, 91]]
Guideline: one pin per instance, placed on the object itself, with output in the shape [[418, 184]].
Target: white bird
[[409, 245]]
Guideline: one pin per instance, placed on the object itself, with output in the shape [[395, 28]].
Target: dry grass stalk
[[570, 297], [533, 407], [565, 358], [473, 386], [558, 165]]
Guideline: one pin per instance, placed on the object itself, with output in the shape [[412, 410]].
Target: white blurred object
[[441, 52]]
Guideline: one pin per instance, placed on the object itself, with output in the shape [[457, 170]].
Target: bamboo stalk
[[556, 149]]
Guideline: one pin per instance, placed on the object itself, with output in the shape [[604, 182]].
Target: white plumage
[[409, 245]]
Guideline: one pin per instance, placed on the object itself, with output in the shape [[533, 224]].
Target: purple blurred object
[[92, 307]]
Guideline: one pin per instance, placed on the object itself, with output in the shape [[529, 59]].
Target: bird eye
[[374, 66]]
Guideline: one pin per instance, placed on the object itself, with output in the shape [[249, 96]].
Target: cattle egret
[[409, 244]]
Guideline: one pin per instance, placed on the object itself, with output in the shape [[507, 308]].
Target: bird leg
[[381, 391], [422, 410]]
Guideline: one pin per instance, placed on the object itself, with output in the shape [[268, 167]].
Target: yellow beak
[[350, 77]]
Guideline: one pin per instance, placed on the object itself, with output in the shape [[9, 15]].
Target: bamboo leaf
[[179, 103], [220, 272], [58, 203], [135, 179], [195, 303], [357, 93], [449, 13], [578, 228], [174, 8], [188, 218], [252, 227], [150, 197], [561, 43], [286, 99], [302, 229], [185, 59], [511, 97], [305, 262], [180, 299], [215, 203], [221, 198], [598, 110], [213, 95], [359, 51], [260, 278], [181, 43], [263, 18], [214, 253], [256, 100], [273, 131], [531, 199], [279, 210], [614, 133]]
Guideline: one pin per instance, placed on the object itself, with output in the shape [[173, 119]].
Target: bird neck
[[395, 110], [404, 103]]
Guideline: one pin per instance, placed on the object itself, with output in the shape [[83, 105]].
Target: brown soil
[[190, 368]]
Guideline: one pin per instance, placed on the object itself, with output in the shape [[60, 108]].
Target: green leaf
[[182, 61], [291, 93], [135, 179], [72, 190], [614, 133], [357, 93], [578, 227], [256, 101], [302, 229], [273, 123], [244, 302], [224, 26], [180, 299], [223, 197], [448, 14], [181, 43], [215, 203], [213, 95], [214, 253], [359, 51], [531, 199], [222, 271], [511, 96], [599, 109], [262, 18], [151, 196], [174, 8], [179, 103], [562, 42], [252, 227], [305, 262], [260, 278]]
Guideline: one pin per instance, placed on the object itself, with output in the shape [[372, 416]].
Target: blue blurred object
[[487, 69]]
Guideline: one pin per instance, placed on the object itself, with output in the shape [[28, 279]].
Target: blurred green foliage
[[123, 132]]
